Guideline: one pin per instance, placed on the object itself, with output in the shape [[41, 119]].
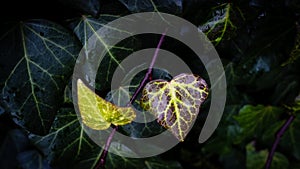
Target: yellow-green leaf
[[98, 113], [176, 103]]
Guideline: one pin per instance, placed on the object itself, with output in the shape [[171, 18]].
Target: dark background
[[258, 43]]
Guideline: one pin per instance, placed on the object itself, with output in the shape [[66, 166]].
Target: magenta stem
[[142, 84], [278, 136], [102, 159]]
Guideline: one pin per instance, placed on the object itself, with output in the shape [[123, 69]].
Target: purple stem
[[102, 159], [278, 136], [142, 84]]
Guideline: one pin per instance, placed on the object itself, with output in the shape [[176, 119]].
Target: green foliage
[[219, 24], [295, 53], [169, 6], [290, 140], [68, 146], [254, 120], [257, 159], [86, 26], [91, 7], [257, 41], [122, 95], [45, 54]]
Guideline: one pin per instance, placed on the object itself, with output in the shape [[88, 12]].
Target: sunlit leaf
[[45, 54], [176, 103], [98, 113]]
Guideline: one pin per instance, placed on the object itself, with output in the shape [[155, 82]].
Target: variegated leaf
[[176, 103]]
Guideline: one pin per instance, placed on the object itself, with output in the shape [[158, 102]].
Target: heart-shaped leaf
[[176, 103], [98, 113], [38, 57]]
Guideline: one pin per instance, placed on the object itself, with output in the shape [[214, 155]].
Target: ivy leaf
[[152, 163], [176, 103], [257, 159], [14, 143], [68, 146], [134, 129], [84, 28], [98, 113], [169, 6], [269, 135], [122, 95], [219, 24], [32, 159], [45, 54], [254, 120], [91, 7], [290, 139], [295, 53]]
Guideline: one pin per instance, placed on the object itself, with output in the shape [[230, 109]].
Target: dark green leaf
[[91, 7], [269, 135], [45, 54], [68, 146], [32, 159], [157, 163], [84, 28], [291, 137], [295, 53], [169, 6], [122, 96], [14, 143], [222, 143], [257, 159], [254, 120], [67, 143], [219, 24], [258, 54]]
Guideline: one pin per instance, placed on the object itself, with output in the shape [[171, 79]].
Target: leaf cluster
[[257, 41]]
